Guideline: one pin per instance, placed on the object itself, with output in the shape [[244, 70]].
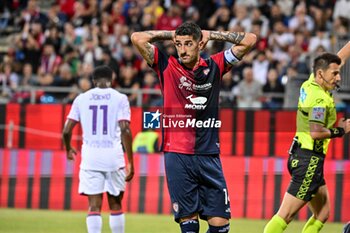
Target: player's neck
[[102, 85]]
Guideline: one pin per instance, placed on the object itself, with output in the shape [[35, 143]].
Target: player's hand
[[205, 38], [130, 172], [71, 154], [345, 124]]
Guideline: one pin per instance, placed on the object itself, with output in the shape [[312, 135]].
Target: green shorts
[[306, 169]]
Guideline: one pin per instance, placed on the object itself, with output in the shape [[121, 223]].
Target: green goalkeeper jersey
[[315, 105]]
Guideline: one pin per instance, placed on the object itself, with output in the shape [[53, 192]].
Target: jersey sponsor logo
[[198, 103], [151, 120], [100, 97], [189, 86], [318, 113], [185, 83]]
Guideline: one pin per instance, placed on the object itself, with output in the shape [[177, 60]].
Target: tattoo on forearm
[[233, 37], [159, 35]]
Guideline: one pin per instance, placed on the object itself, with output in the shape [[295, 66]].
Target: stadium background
[[33, 168]]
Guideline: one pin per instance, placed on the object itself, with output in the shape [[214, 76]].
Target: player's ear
[[201, 44]]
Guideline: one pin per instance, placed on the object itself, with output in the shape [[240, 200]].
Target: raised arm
[[242, 41], [344, 53], [143, 42]]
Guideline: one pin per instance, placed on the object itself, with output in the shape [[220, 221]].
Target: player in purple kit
[[190, 87], [104, 115]]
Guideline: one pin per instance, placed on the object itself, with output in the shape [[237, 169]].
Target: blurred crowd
[[59, 45]]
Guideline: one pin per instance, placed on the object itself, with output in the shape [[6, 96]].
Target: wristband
[[337, 132]]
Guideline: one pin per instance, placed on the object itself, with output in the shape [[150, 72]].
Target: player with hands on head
[[104, 115], [316, 126], [190, 86]]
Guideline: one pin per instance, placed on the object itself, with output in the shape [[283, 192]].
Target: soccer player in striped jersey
[[191, 87], [104, 115]]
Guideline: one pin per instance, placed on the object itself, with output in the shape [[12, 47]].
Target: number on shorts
[[227, 198]]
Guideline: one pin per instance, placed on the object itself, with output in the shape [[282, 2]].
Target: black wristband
[[337, 132]]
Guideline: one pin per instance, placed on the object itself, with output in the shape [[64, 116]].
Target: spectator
[[273, 86], [279, 41], [150, 82], [249, 91], [321, 38], [220, 19], [301, 21], [260, 67], [49, 61], [171, 19]]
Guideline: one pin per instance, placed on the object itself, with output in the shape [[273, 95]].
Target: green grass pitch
[[45, 221]]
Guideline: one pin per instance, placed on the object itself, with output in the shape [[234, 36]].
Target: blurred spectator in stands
[[321, 38], [110, 61], [53, 35], [261, 43], [86, 71], [321, 11], [84, 84], [133, 19], [71, 57], [5, 15], [226, 91], [56, 16], [49, 61], [170, 19], [301, 40], [150, 82], [277, 15], [341, 9], [70, 38], [220, 19], [257, 16], [130, 58], [273, 86], [65, 78], [91, 52], [128, 79], [301, 20], [67, 7], [155, 9], [27, 80], [248, 91], [29, 43], [192, 14], [240, 18], [298, 60], [80, 17], [9, 80], [117, 13], [146, 22], [286, 7], [260, 67], [32, 14], [247, 3], [279, 41], [341, 28]]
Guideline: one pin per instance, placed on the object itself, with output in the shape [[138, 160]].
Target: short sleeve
[[74, 113], [318, 111], [124, 109]]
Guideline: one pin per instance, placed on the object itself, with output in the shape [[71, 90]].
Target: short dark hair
[[324, 60], [102, 72], [189, 29]]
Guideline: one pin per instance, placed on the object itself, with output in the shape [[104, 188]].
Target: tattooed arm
[[143, 42], [242, 41]]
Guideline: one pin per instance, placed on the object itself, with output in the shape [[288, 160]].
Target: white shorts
[[97, 182]]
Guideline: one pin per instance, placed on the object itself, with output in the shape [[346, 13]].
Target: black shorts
[[196, 184], [306, 169]]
